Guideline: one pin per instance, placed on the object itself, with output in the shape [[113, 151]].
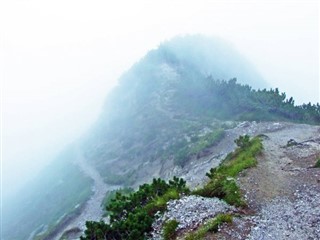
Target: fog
[[59, 59]]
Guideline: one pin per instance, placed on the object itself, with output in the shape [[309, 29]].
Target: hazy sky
[[60, 58]]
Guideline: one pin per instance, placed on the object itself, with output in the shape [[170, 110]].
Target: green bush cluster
[[131, 216], [222, 179], [112, 194], [227, 99]]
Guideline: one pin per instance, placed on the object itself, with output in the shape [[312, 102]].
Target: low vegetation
[[131, 216], [112, 194], [227, 99], [132, 213], [222, 179], [169, 229], [211, 226]]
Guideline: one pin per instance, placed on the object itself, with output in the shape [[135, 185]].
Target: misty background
[[59, 59]]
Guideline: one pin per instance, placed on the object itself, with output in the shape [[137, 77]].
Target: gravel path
[[194, 171], [284, 219], [283, 191], [287, 193]]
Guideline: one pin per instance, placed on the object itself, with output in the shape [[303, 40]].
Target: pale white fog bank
[[59, 59]]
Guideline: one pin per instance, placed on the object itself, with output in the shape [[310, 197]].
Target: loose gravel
[[190, 212], [283, 219]]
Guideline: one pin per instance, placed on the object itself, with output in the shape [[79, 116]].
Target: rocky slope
[[282, 192], [171, 100]]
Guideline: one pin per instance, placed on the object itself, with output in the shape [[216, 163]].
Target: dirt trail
[[283, 191], [193, 171], [92, 210], [281, 168]]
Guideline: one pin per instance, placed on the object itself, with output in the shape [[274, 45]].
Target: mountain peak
[[205, 55]]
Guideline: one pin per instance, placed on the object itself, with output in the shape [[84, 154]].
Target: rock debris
[[285, 220], [190, 212]]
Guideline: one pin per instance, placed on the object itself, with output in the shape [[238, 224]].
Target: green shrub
[[169, 229], [131, 215], [110, 195], [243, 141], [160, 203], [211, 226]]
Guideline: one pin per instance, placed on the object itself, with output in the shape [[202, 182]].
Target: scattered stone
[[285, 219], [190, 212]]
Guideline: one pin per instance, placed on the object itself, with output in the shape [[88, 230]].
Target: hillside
[[57, 194], [168, 107], [169, 116], [176, 112], [280, 192]]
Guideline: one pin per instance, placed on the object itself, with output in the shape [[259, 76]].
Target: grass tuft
[[222, 184], [169, 229], [211, 226]]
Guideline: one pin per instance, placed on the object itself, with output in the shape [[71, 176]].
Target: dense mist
[[59, 61]]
